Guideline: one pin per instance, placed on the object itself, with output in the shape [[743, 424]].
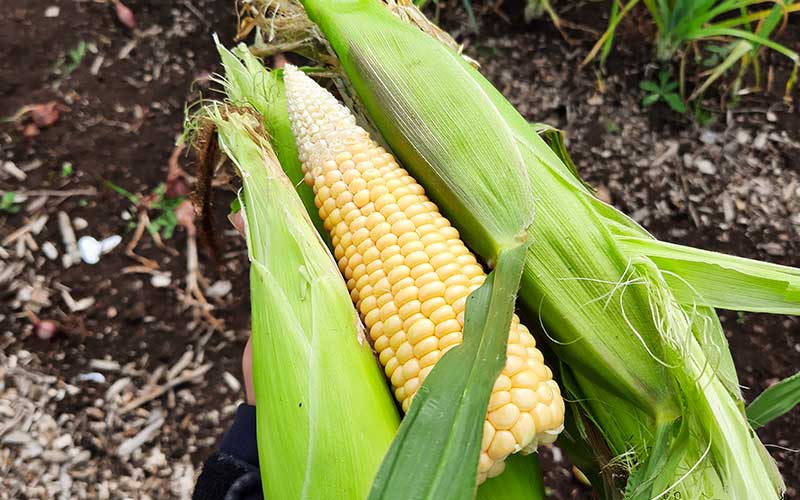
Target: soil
[[731, 185]]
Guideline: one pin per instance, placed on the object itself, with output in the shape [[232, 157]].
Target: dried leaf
[[46, 114]]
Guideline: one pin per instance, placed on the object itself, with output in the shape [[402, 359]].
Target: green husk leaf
[[775, 401], [713, 279], [435, 453], [557, 141], [521, 480], [248, 82], [490, 186], [314, 374]]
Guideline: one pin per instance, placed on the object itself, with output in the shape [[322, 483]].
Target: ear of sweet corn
[[409, 273], [522, 477], [325, 416], [642, 360]]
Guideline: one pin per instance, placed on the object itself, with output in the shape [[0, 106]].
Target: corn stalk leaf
[[775, 401], [435, 453]]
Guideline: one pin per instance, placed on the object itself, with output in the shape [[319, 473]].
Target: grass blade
[[775, 401]]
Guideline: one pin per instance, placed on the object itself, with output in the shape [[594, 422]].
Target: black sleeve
[[231, 473]]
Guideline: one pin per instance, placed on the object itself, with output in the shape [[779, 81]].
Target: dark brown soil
[[121, 123]]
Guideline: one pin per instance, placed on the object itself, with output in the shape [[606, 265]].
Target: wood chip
[[231, 381], [187, 376], [34, 226], [104, 365], [71, 256], [76, 305], [145, 435], [14, 171], [180, 365]]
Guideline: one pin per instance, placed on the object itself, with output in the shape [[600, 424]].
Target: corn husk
[[325, 416], [246, 81], [645, 357]]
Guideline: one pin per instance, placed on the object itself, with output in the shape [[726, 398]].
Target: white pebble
[[89, 249], [79, 223], [96, 377], [160, 280], [62, 442], [219, 289], [232, 381]]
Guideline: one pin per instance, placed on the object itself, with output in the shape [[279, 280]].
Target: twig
[[181, 365], [130, 445], [138, 269], [71, 256], [34, 226], [144, 220], [55, 193], [686, 199], [161, 390]]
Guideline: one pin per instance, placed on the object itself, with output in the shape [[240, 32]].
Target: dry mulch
[[137, 385]]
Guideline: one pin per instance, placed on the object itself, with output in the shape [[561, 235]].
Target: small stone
[[161, 280], [49, 250], [155, 460], [708, 137], [772, 117], [595, 100], [219, 289], [52, 11], [33, 450], [54, 456], [79, 223], [232, 382], [95, 377], [774, 249], [17, 437], [89, 249], [760, 141], [107, 365]]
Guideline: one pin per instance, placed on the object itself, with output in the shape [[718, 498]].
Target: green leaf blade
[[435, 452], [775, 401]]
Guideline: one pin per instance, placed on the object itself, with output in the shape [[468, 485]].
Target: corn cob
[[410, 274]]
